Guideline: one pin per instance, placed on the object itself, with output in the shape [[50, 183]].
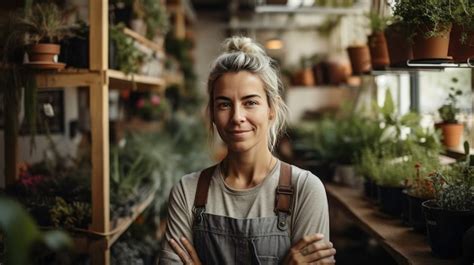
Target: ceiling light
[[274, 44]]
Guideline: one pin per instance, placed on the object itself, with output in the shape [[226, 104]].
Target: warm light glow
[[274, 44]]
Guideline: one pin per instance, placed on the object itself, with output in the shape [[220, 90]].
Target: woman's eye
[[251, 103], [223, 105]]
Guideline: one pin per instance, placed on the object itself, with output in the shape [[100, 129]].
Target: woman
[[251, 208]]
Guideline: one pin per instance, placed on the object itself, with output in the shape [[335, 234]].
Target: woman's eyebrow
[[251, 96], [243, 98], [221, 98]]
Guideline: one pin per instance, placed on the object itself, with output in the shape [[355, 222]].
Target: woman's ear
[[271, 115]]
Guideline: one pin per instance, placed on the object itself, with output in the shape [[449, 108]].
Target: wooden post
[[180, 23], [99, 109]]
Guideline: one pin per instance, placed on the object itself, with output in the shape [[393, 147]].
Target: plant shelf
[[402, 243], [84, 240], [119, 80], [283, 9], [144, 41], [67, 78]]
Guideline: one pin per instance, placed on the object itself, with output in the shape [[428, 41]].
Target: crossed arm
[[310, 249]]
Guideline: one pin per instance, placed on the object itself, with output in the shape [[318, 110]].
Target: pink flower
[[155, 100], [140, 103]]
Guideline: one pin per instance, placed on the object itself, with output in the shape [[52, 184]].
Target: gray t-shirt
[[309, 211]]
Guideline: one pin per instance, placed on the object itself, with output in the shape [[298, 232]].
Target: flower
[[155, 100], [141, 103]]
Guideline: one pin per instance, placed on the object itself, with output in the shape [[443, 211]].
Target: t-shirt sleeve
[[179, 224], [310, 208]]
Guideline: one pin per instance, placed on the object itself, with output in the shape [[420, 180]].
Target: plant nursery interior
[[103, 111]]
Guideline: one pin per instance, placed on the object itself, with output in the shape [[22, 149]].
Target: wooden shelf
[[119, 80], [174, 78], [284, 9], [144, 41], [83, 241], [405, 245], [81, 77], [67, 78], [124, 223]]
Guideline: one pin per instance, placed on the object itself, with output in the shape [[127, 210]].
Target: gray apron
[[225, 240]]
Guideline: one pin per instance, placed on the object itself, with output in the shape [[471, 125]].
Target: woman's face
[[241, 112]]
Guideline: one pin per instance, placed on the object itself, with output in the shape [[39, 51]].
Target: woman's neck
[[245, 170]]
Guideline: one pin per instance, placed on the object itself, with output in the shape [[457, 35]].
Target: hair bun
[[242, 44]]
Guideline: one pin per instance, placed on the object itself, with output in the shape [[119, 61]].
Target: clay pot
[[461, 51], [360, 59], [304, 77], [431, 48], [452, 133], [378, 51], [43, 52], [338, 73], [399, 48]]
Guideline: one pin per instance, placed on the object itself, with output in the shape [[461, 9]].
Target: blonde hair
[[243, 54]]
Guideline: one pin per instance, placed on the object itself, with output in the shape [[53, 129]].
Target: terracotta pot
[[378, 51], [360, 59], [452, 133], [304, 77], [43, 52], [461, 51], [338, 73], [399, 48], [431, 48]]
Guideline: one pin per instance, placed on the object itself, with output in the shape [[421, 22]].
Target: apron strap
[[284, 196], [200, 198]]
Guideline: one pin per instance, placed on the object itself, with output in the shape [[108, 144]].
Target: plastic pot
[[390, 200], [405, 208], [446, 228], [416, 218]]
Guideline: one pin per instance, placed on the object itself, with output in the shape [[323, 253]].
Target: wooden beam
[[100, 253], [99, 34], [100, 163], [180, 24], [68, 79]]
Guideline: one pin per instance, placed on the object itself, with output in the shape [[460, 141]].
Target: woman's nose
[[238, 115]]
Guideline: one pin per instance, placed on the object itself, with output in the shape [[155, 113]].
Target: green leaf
[[57, 240], [20, 229], [410, 119], [388, 105]]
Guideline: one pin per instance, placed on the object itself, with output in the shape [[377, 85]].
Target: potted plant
[[461, 46], [450, 127], [393, 172], [43, 27], [359, 56], [127, 58], [156, 19], [377, 42], [399, 47], [451, 213], [419, 185], [368, 168], [430, 25]]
